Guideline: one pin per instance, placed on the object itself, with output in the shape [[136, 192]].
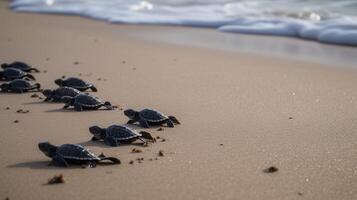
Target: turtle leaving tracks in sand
[[72, 154], [20, 65], [57, 95], [13, 73], [19, 86], [115, 135], [76, 83], [86, 102], [150, 117]]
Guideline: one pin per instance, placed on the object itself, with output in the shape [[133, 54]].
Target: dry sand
[[241, 101]]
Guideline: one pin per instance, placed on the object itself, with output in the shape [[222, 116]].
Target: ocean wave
[[325, 21]]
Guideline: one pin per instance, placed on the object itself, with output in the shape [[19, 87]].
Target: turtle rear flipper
[[112, 159], [174, 119], [94, 89], [30, 77]]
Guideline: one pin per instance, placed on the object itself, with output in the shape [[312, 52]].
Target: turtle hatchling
[[72, 154], [150, 117], [77, 83], [115, 135], [13, 73], [19, 86], [58, 94], [86, 102], [20, 65]]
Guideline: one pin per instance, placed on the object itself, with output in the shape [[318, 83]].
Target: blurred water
[[327, 21]]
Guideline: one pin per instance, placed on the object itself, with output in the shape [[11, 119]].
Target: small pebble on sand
[[161, 153], [75, 62], [16, 121], [63, 76], [290, 117], [131, 162], [160, 129], [300, 193], [56, 179], [7, 108]]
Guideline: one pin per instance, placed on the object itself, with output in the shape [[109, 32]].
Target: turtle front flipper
[[66, 105], [34, 69], [30, 77], [108, 105], [131, 121], [144, 123], [59, 161], [111, 141], [93, 88], [78, 107], [174, 119], [147, 136], [112, 159]]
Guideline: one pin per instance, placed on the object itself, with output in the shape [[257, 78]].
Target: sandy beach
[[240, 114]]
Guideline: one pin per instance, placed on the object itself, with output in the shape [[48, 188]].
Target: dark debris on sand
[[131, 162], [160, 129], [16, 121], [135, 150], [161, 153], [271, 169], [34, 96], [7, 108], [22, 111], [57, 179]]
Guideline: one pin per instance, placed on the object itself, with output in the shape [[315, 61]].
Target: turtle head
[[4, 87], [97, 132], [59, 82], [132, 114], [47, 148], [4, 65], [47, 93]]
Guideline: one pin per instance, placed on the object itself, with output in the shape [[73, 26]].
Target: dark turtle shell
[[76, 83], [122, 133], [76, 152], [65, 92], [20, 84], [87, 100], [19, 65], [151, 115], [14, 73]]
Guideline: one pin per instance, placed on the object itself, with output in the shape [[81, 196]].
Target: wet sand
[[240, 113]]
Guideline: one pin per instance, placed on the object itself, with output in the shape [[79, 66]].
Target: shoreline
[[240, 114]]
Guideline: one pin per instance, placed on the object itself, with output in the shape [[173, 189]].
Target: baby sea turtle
[[72, 154], [13, 73], [116, 134], [19, 86], [148, 117], [86, 101], [20, 65], [77, 83], [57, 94]]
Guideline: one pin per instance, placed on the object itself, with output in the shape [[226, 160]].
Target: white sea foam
[[326, 21]]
